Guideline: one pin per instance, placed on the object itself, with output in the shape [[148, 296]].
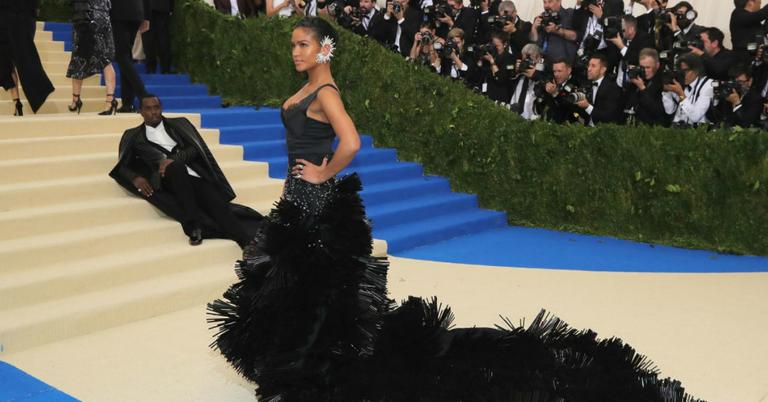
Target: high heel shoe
[[112, 106], [19, 108], [77, 104]]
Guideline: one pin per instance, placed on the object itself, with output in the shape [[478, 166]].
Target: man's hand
[[675, 87], [551, 88], [583, 104], [488, 57], [617, 41], [696, 51], [143, 186], [446, 20], [144, 27], [734, 99], [164, 165], [390, 8], [509, 27], [597, 11], [536, 23], [673, 22], [347, 9], [638, 82], [551, 28]]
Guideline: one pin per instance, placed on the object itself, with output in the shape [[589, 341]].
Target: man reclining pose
[[166, 161]]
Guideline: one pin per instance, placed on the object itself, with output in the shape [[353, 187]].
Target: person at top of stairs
[[93, 49], [18, 50], [128, 18], [166, 161]]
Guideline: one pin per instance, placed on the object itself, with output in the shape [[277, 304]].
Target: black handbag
[[83, 28]]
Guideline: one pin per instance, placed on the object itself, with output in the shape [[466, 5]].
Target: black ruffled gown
[[310, 319]]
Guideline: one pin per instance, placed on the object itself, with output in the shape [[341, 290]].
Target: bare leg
[[15, 90], [77, 86], [109, 81]]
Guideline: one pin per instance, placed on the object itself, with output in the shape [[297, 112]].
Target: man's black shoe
[[126, 109], [196, 238]]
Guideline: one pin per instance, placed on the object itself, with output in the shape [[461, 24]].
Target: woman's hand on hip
[[310, 172]]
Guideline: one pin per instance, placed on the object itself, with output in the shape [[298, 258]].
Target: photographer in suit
[[372, 24], [718, 61], [495, 66], [603, 103], [746, 24], [523, 87], [402, 22], [156, 41], [649, 22], [554, 104], [694, 95], [519, 31], [454, 60], [128, 17], [739, 103], [464, 18], [645, 96], [556, 40], [625, 49], [681, 26]]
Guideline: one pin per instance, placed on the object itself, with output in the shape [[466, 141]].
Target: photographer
[[603, 103], [746, 24], [403, 22], [554, 101], [717, 60], [507, 21], [523, 92], [625, 49], [646, 23], [495, 64], [423, 51], [694, 96], [680, 27], [739, 102], [553, 32], [454, 61], [461, 17], [588, 24], [371, 22], [646, 99]]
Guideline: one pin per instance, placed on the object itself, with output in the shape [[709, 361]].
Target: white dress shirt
[[698, 99], [234, 10], [159, 136]]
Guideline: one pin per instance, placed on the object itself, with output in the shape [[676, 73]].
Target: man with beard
[[166, 161]]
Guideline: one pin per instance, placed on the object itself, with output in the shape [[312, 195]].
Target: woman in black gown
[[310, 319]]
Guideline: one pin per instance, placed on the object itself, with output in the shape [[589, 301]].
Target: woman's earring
[[326, 50]]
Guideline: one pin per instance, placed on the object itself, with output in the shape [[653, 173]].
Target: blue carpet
[[18, 386], [417, 214]]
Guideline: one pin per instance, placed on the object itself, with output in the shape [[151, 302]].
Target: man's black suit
[[126, 17], [745, 26], [648, 103], [517, 40], [557, 109], [408, 28], [719, 66], [156, 41], [641, 41], [748, 115], [378, 29], [466, 18], [195, 202], [607, 103], [668, 38]]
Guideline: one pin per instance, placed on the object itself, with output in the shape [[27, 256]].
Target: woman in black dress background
[[310, 319], [93, 49]]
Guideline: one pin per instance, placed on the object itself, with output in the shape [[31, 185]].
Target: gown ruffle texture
[[310, 320]]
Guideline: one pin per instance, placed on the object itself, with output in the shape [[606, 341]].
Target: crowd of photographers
[[589, 64]]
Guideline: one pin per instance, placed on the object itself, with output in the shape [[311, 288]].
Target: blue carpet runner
[[18, 386], [417, 214]]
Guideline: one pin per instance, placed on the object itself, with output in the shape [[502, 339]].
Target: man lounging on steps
[[166, 161]]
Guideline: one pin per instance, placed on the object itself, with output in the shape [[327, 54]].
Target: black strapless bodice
[[307, 138]]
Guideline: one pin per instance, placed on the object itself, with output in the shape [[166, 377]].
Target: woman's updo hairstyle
[[320, 28]]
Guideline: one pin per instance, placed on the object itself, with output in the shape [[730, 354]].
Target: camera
[[635, 72], [613, 27], [663, 17], [669, 76], [550, 17], [724, 89], [498, 22], [682, 46], [572, 94], [426, 38], [526, 65], [348, 20], [445, 50]]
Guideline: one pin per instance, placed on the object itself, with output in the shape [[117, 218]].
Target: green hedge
[[55, 10], [688, 188]]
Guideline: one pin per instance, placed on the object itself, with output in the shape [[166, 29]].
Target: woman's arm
[[349, 140]]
